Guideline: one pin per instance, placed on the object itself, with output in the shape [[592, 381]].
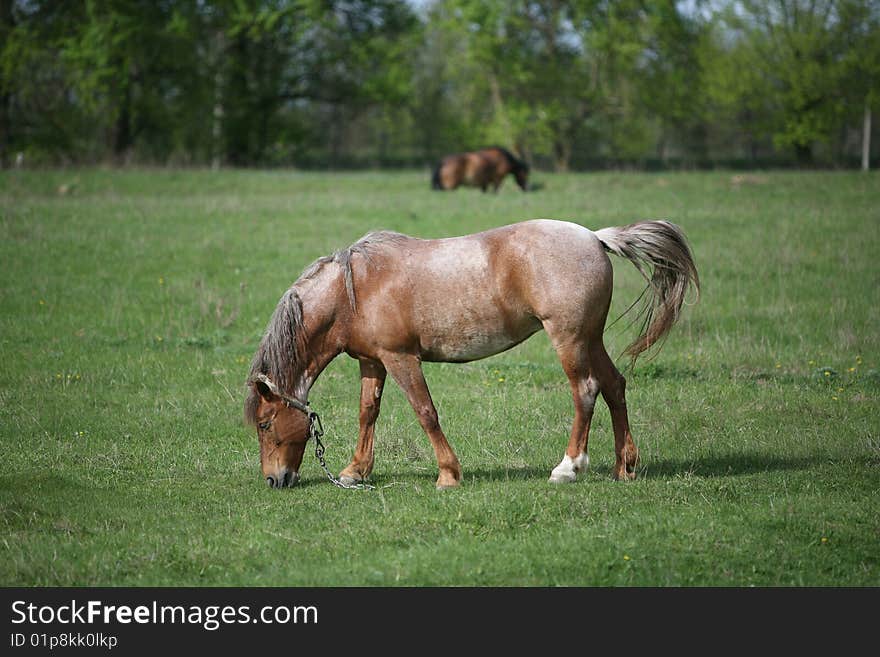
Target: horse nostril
[[285, 480], [270, 481]]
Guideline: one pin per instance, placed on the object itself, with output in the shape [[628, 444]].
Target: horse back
[[464, 298], [474, 169], [497, 161]]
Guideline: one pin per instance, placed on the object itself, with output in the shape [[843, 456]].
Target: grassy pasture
[[131, 303]]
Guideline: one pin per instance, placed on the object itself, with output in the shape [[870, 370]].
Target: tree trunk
[[236, 106], [866, 139], [5, 129], [498, 105], [7, 24], [804, 154], [335, 135], [217, 122], [699, 145], [122, 133], [661, 147], [382, 139], [217, 114], [561, 155], [265, 109]]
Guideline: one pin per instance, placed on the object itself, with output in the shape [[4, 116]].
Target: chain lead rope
[[316, 430]]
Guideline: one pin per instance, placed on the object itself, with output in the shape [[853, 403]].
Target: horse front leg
[[407, 372], [372, 383]]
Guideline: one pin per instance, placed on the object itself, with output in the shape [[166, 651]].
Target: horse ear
[[264, 391]]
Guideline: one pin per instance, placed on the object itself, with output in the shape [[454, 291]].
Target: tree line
[[567, 84]]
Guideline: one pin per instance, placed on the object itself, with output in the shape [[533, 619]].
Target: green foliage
[[800, 49], [564, 83], [860, 22]]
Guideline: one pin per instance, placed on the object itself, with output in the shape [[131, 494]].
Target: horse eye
[[264, 426]]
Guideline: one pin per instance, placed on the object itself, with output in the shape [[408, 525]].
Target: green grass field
[[131, 303]]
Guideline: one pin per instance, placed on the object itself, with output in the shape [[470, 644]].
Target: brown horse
[[480, 169], [392, 301]]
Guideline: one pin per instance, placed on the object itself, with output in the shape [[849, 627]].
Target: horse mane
[[282, 348], [342, 257], [515, 163]]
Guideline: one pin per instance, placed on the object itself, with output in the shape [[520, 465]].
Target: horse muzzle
[[282, 479]]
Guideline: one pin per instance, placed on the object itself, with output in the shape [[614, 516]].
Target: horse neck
[[324, 308]]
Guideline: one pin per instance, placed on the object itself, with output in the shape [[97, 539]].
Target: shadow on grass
[[307, 481], [725, 465], [393, 477], [508, 474], [712, 466], [721, 465]]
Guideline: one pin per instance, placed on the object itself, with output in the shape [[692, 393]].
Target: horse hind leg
[[612, 384], [584, 388]]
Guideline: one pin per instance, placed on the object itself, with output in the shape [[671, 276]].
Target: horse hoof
[[349, 481], [563, 478], [567, 470], [445, 483]]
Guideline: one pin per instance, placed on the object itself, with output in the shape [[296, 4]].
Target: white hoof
[[562, 477], [567, 470], [349, 481]]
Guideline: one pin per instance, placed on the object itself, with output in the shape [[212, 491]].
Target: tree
[[39, 113], [670, 77], [860, 22], [739, 95], [7, 27], [290, 63], [516, 69], [330, 82], [798, 46]]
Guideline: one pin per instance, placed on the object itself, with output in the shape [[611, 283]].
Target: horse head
[[521, 175], [283, 428]]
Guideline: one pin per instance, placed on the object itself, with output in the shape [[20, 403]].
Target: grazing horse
[[480, 169], [392, 301]]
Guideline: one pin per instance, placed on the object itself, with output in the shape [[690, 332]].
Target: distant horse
[[480, 169], [392, 301]]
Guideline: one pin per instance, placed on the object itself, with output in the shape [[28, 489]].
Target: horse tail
[[435, 179], [662, 247]]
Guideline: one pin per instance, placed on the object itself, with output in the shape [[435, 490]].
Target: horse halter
[[290, 402], [316, 430]]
